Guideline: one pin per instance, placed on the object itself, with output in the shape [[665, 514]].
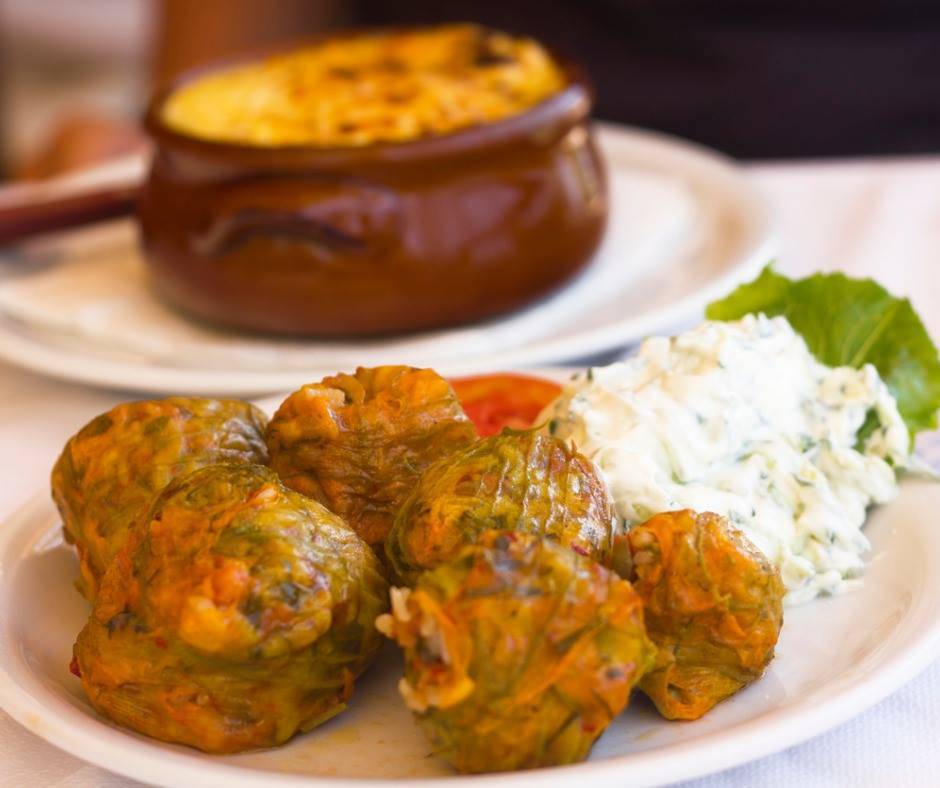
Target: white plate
[[836, 657], [686, 226]]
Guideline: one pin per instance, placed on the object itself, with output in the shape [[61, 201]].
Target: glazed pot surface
[[378, 240]]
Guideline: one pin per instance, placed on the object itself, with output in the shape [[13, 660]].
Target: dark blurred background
[[754, 78]]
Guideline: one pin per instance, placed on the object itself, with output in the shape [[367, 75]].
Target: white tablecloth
[[868, 218]]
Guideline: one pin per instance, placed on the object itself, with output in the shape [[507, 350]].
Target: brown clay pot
[[381, 239]]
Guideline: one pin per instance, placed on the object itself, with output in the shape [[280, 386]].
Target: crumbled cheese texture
[[738, 418]]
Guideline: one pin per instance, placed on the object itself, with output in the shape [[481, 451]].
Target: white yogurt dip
[[738, 418]]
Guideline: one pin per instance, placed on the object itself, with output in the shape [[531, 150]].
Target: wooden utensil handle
[[18, 222]]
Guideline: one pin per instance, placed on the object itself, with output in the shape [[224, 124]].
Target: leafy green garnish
[[851, 322]]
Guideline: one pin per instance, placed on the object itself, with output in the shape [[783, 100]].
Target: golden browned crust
[[355, 90], [518, 652], [714, 608], [520, 481], [357, 443], [110, 471], [237, 613]]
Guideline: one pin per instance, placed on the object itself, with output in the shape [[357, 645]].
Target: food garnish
[[851, 322], [493, 402]]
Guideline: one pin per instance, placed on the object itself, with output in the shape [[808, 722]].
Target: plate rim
[[61, 362], [710, 753]]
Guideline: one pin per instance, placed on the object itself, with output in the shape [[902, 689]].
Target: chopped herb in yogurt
[[739, 418]]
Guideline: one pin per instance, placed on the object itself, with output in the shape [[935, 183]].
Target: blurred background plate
[[686, 225]]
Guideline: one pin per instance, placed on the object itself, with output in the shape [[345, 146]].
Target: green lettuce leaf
[[851, 322]]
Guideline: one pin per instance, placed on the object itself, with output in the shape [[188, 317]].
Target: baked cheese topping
[[368, 88]]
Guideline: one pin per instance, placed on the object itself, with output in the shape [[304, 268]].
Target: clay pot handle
[[333, 217]]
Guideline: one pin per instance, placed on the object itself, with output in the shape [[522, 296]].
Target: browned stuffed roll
[[238, 613], [518, 481], [357, 443], [518, 652], [713, 605], [110, 471]]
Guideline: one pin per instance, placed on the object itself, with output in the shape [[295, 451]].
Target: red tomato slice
[[496, 401]]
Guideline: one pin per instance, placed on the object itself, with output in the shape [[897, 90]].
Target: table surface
[[878, 218]]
